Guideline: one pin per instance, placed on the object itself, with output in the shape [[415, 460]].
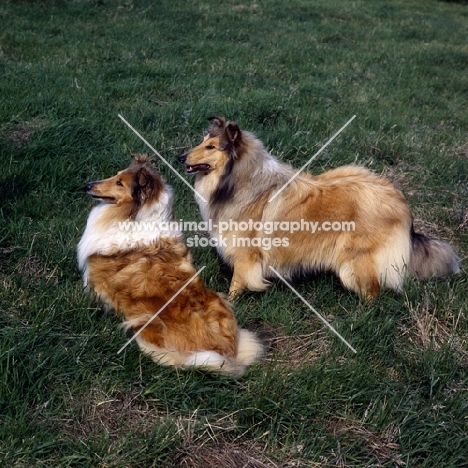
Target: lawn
[[293, 73]]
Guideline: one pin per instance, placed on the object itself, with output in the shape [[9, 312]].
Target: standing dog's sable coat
[[138, 268], [237, 177]]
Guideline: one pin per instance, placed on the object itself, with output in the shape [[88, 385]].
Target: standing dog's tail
[[249, 350], [431, 258]]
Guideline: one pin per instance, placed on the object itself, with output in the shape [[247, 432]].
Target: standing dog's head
[[134, 186], [217, 153]]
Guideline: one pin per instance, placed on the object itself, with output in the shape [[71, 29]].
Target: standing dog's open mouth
[[193, 168], [197, 168]]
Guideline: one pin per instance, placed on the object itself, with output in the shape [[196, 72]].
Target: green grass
[[292, 72]]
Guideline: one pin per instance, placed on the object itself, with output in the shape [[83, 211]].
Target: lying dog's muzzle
[[90, 189]]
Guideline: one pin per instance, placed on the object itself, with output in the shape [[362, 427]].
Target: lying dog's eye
[[119, 183], [209, 147]]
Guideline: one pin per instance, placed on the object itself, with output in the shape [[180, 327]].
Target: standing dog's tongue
[[197, 168]]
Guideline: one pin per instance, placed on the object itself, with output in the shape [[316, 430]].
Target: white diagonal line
[[164, 160], [313, 310], [312, 158], [161, 309]]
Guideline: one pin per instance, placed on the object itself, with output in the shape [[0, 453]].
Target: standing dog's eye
[[209, 147], [119, 183]]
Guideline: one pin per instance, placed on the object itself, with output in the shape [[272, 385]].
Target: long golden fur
[[237, 177], [137, 270]]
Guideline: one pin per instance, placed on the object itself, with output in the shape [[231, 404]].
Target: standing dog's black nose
[[182, 158]]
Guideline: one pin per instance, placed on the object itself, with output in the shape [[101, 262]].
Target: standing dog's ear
[[233, 134], [217, 121], [217, 125], [231, 142]]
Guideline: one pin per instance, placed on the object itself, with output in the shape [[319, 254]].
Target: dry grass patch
[[398, 174], [30, 267], [462, 150], [235, 455], [222, 454], [297, 350], [19, 135], [424, 329], [117, 416], [432, 229], [207, 444], [462, 217], [379, 445]]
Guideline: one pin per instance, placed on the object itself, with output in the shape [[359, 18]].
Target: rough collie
[[137, 271], [347, 220]]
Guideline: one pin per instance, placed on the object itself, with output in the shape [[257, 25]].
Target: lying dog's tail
[[249, 350], [431, 258]]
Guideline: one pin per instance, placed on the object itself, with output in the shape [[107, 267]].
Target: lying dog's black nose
[[90, 185], [183, 158]]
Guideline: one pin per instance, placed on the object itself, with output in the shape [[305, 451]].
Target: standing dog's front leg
[[248, 273]]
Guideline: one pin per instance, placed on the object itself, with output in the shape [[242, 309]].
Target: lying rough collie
[[137, 271], [347, 220]]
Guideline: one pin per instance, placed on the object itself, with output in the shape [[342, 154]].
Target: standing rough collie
[[136, 268], [375, 250]]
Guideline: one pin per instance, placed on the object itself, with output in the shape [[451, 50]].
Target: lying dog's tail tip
[[212, 361], [249, 351]]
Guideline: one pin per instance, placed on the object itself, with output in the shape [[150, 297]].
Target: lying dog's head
[[218, 151], [134, 186]]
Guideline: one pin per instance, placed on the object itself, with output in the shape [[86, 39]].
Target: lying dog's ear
[[139, 159], [233, 134], [146, 185], [144, 181]]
